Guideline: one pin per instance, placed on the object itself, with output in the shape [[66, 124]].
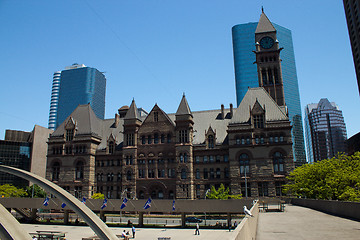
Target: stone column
[[229, 219], [141, 219], [66, 216], [183, 220]]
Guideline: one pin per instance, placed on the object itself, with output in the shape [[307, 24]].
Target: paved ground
[[76, 232], [304, 223]]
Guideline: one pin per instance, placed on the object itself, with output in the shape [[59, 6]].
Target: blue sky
[[154, 50]]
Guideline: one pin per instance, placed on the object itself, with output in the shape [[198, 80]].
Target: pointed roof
[[132, 113], [273, 111], [184, 108], [264, 25]]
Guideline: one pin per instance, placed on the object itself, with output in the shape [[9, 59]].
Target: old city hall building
[[181, 155]]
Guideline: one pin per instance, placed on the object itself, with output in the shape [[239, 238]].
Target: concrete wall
[[246, 230], [338, 208]]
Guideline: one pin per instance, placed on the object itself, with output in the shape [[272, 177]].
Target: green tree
[[337, 178], [38, 191], [221, 193], [8, 190], [98, 196]]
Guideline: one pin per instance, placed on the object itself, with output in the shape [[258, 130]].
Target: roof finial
[[262, 9], [183, 94]]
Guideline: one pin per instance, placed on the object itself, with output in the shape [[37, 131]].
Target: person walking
[[197, 230], [133, 231]]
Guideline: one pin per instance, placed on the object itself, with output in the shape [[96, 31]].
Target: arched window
[[55, 171], [111, 147], [211, 141], [156, 138], [160, 194], [278, 162], [244, 163], [183, 173], [79, 170], [128, 175]]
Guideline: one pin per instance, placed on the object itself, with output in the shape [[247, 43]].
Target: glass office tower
[[81, 85], [54, 100], [325, 130], [246, 76]]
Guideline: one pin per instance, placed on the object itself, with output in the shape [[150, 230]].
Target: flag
[[83, 200], [147, 204], [104, 205], [173, 208], [63, 205], [123, 203], [46, 202]]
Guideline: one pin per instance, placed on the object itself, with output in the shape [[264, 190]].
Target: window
[[263, 189], [162, 138], [128, 175], [149, 139], [218, 173], [143, 140], [226, 173], [183, 157], [205, 159], [281, 138], [278, 188], [218, 158], [243, 189], [55, 171], [206, 174], [258, 121], [79, 170], [161, 173], [211, 159], [69, 134], [276, 76], [197, 174], [183, 136], [244, 164], [278, 162], [264, 77], [151, 173], [130, 139], [211, 141], [111, 147], [119, 176], [183, 173], [141, 173], [68, 150], [78, 191], [169, 138], [197, 159], [248, 140], [237, 141], [212, 175], [156, 138], [226, 158]]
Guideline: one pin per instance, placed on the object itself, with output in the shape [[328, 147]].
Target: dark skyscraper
[[352, 12], [246, 74], [80, 85], [325, 130]]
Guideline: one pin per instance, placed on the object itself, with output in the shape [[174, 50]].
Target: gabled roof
[[264, 25], [272, 111], [86, 120], [132, 113], [184, 108]]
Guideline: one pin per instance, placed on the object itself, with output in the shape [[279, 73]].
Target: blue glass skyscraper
[[81, 85], [246, 76]]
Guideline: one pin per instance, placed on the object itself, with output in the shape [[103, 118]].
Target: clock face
[[266, 42]]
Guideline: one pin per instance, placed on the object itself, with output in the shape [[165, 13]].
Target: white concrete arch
[[94, 222]]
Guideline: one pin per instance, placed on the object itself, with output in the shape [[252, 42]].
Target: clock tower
[[268, 60]]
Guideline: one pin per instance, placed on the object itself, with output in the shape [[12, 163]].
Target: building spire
[[262, 9], [184, 108], [264, 24], [132, 113]]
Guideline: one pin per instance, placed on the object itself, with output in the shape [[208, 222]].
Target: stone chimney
[[117, 119], [222, 111], [231, 110]]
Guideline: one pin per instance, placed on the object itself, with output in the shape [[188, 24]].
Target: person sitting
[[123, 235]]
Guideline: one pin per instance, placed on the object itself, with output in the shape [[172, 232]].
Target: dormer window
[[69, 134], [111, 147], [258, 121], [211, 141]]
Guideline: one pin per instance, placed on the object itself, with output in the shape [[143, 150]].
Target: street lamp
[[206, 193]]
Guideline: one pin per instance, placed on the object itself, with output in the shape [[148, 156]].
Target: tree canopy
[[221, 193], [8, 190], [337, 178], [98, 196], [38, 191]]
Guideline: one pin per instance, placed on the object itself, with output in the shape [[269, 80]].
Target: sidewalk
[[304, 223]]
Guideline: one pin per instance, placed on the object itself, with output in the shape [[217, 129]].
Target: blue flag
[[46, 202], [63, 205], [123, 203], [104, 205], [173, 208], [83, 200], [147, 204]]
